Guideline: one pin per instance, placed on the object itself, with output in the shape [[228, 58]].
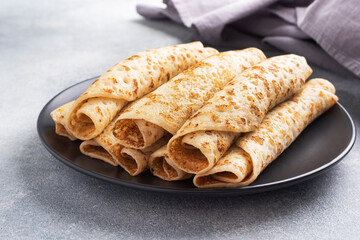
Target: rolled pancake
[[93, 149], [126, 81], [59, 117], [169, 106], [105, 147], [134, 161], [162, 168], [239, 107], [254, 151]]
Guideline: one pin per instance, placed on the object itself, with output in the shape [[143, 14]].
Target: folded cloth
[[325, 32]]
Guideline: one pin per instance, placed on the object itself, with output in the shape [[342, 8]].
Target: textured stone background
[[46, 46]]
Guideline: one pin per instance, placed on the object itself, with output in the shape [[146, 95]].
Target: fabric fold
[[320, 26]]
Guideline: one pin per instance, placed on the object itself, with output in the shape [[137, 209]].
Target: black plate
[[322, 144]]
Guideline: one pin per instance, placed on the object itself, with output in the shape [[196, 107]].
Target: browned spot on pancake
[[272, 142], [177, 80], [132, 57], [255, 109], [167, 117], [98, 110], [261, 69], [259, 95], [267, 85], [231, 92], [152, 85], [258, 139], [135, 85], [194, 95], [205, 144], [221, 146], [154, 97], [276, 87], [214, 117], [221, 107], [126, 67], [114, 80], [108, 90]]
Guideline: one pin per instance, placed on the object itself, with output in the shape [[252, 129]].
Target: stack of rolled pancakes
[[188, 111]]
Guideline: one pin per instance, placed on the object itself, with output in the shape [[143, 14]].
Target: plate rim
[[199, 191]]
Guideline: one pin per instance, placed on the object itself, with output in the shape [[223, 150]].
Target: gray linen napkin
[[326, 32]]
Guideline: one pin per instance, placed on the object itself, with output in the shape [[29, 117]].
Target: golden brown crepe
[[106, 147], [162, 168], [239, 107], [93, 149], [169, 106], [126, 81], [59, 117], [134, 161], [254, 151]]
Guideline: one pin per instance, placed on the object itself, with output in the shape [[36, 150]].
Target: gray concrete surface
[[46, 46]]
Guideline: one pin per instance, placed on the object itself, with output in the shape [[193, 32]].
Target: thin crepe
[[59, 117], [126, 81], [106, 147], [169, 106], [161, 167], [239, 107], [254, 151]]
